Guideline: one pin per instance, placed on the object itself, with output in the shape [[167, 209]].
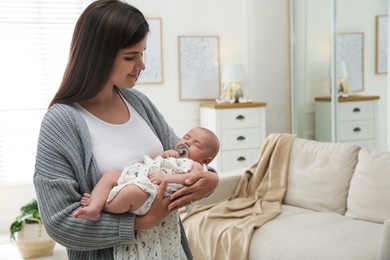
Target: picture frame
[[350, 50], [199, 75], [153, 56], [381, 44]]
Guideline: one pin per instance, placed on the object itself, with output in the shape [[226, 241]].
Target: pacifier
[[182, 149]]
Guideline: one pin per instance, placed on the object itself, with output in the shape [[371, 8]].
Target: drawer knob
[[241, 159], [240, 138], [356, 110], [240, 117], [357, 129]]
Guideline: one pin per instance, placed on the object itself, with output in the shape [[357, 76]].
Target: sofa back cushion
[[319, 175], [369, 193]]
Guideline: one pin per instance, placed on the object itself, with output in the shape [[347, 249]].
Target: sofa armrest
[[384, 243], [227, 184]]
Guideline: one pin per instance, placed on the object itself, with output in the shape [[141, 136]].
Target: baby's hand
[[156, 177], [170, 153]]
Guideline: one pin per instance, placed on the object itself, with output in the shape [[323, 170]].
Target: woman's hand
[[157, 212], [199, 185]]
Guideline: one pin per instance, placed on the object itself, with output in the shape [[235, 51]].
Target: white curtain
[[35, 38]]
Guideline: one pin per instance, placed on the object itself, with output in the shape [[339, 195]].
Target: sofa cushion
[[306, 235], [319, 175], [369, 196]]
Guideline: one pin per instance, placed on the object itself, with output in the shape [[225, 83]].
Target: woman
[[96, 122]]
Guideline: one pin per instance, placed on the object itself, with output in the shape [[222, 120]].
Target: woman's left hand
[[197, 187]]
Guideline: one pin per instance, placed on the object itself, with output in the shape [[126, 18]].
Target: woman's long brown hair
[[105, 27]]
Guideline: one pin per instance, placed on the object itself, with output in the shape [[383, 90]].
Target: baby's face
[[196, 141]]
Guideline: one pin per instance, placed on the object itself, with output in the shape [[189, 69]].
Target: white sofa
[[337, 205]]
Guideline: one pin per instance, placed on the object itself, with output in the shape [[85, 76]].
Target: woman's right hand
[[156, 213]]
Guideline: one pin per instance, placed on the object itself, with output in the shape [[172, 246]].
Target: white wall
[[195, 17], [268, 59], [252, 32]]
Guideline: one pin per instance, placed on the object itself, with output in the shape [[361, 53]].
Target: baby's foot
[[85, 199], [87, 213]]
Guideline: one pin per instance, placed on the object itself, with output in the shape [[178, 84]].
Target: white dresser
[[357, 120], [241, 130]]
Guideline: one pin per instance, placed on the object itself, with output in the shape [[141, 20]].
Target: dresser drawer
[[356, 130], [241, 129], [240, 118], [239, 159], [240, 138], [350, 111]]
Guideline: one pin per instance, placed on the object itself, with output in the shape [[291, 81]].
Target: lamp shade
[[232, 73], [342, 69]]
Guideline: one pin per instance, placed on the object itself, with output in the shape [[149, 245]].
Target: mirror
[[339, 87]]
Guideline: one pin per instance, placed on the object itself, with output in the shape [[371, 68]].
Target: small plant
[[29, 215]]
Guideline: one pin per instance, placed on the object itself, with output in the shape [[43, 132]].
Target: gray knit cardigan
[[65, 169]]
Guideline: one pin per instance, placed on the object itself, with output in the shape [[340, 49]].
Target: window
[[35, 37]]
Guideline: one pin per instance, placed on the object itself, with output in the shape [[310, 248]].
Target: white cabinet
[[240, 129], [356, 120]]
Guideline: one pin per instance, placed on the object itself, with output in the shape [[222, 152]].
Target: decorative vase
[[33, 241]]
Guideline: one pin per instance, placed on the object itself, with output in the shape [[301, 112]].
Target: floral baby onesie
[[163, 241]]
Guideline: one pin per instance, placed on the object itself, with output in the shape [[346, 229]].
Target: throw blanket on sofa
[[223, 230]]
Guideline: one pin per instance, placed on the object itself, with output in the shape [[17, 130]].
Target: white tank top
[[116, 146]]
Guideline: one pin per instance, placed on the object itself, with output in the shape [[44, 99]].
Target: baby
[[135, 188]]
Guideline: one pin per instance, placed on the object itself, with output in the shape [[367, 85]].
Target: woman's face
[[127, 65]]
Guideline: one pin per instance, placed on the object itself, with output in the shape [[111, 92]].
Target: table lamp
[[232, 75], [342, 78]]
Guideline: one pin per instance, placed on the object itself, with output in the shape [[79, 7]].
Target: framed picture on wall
[[350, 51], [381, 44], [198, 67], [153, 58]]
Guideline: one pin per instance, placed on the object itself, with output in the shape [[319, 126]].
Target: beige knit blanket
[[223, 231]]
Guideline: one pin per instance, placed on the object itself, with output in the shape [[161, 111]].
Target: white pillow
[[369, 193], [319, 175]]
